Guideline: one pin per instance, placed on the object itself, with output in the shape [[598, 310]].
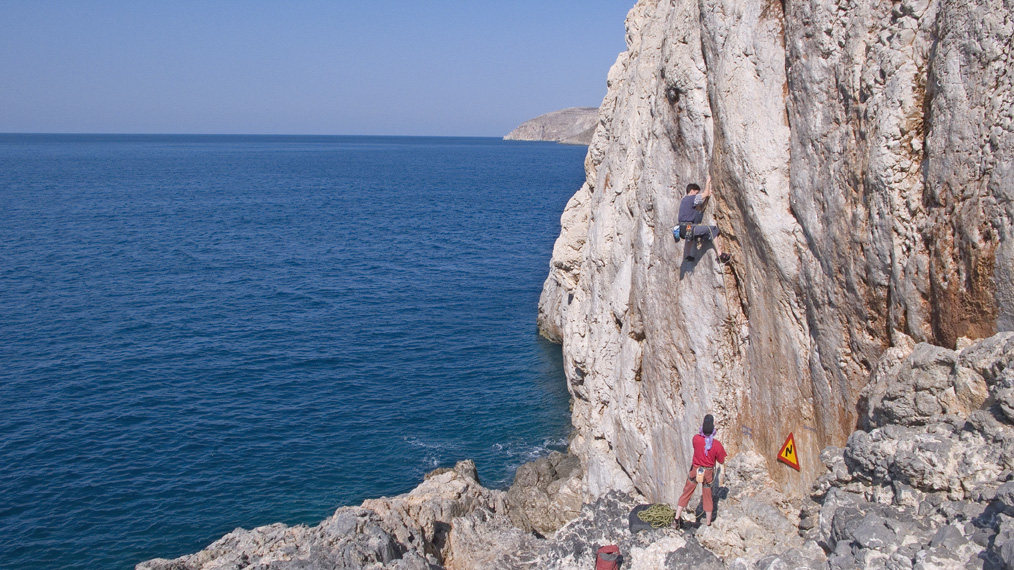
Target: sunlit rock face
[[861, 156]]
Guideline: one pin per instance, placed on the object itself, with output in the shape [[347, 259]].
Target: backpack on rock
[[608, 558]]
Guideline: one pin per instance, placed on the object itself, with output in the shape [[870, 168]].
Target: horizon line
[[54, 133]]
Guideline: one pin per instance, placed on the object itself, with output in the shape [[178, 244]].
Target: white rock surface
[[862, 160]]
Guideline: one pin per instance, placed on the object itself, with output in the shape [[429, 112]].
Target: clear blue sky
[[437, 67]]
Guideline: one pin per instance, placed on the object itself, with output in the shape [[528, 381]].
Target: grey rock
[[905, 495], [843, 558], [873, 533], [486, 539], [1005, 497], [960, 512], [931, 458], [939, 558], [693, 555], [992, 358], [981, 536], [575, 125], [927, 385], [1005, 531], [838, 473], [949, 538], [1005, 399], [809, 557], [1006, 555], [844, 525], [546, 493], [807, 522], [834, 501], [407, 532]]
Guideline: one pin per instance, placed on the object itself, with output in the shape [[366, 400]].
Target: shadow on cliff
[[697, 250]]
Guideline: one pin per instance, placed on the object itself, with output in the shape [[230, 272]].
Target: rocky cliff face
[[861, 155], [575, 125]]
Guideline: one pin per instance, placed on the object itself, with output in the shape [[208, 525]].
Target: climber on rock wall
[[690, 227]]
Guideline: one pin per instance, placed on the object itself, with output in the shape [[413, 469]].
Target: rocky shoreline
[[929, 483], [863, 164]]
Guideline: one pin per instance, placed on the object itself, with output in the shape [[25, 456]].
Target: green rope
[[657, 515]]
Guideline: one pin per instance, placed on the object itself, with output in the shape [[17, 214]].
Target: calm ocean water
[[200, 333]]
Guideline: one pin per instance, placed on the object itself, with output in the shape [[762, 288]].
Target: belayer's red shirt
[[716, 453]]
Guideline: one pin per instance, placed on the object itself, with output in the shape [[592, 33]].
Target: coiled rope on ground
[[657, 515]]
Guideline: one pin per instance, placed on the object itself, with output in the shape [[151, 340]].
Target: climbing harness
[[685, 230], [699, 476], [657, 515]]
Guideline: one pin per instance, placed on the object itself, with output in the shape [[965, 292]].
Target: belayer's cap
[[709, 425]]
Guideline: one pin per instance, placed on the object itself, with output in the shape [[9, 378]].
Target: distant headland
[[575, 125]]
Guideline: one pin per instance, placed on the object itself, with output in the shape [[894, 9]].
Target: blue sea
[[199, 333]]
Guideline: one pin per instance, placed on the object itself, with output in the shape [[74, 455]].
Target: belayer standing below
[[707, 452], [690, 227]]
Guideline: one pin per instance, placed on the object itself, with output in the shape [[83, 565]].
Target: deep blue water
[[200, 333]]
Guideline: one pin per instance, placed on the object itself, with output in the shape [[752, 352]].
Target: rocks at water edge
[[933, 489], [407, 532], [546, 493], [449, 521], [575, 125]]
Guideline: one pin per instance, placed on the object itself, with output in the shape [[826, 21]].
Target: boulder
[[928, 384], [693, 555], [546, 493], [1003, 543], [406, 532], [486, 539], [932, 493], [809, 557]]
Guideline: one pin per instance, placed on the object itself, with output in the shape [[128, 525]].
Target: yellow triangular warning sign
[[788, 453]]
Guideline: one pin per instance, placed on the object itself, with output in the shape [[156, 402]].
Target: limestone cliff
[[575, 125], [862, 156]]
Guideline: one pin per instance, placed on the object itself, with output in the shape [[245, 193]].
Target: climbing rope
[[657, 515]]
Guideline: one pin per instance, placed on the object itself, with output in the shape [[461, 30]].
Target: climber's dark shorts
[[706, 232]]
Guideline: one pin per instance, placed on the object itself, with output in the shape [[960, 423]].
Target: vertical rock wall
[[861, 155]]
